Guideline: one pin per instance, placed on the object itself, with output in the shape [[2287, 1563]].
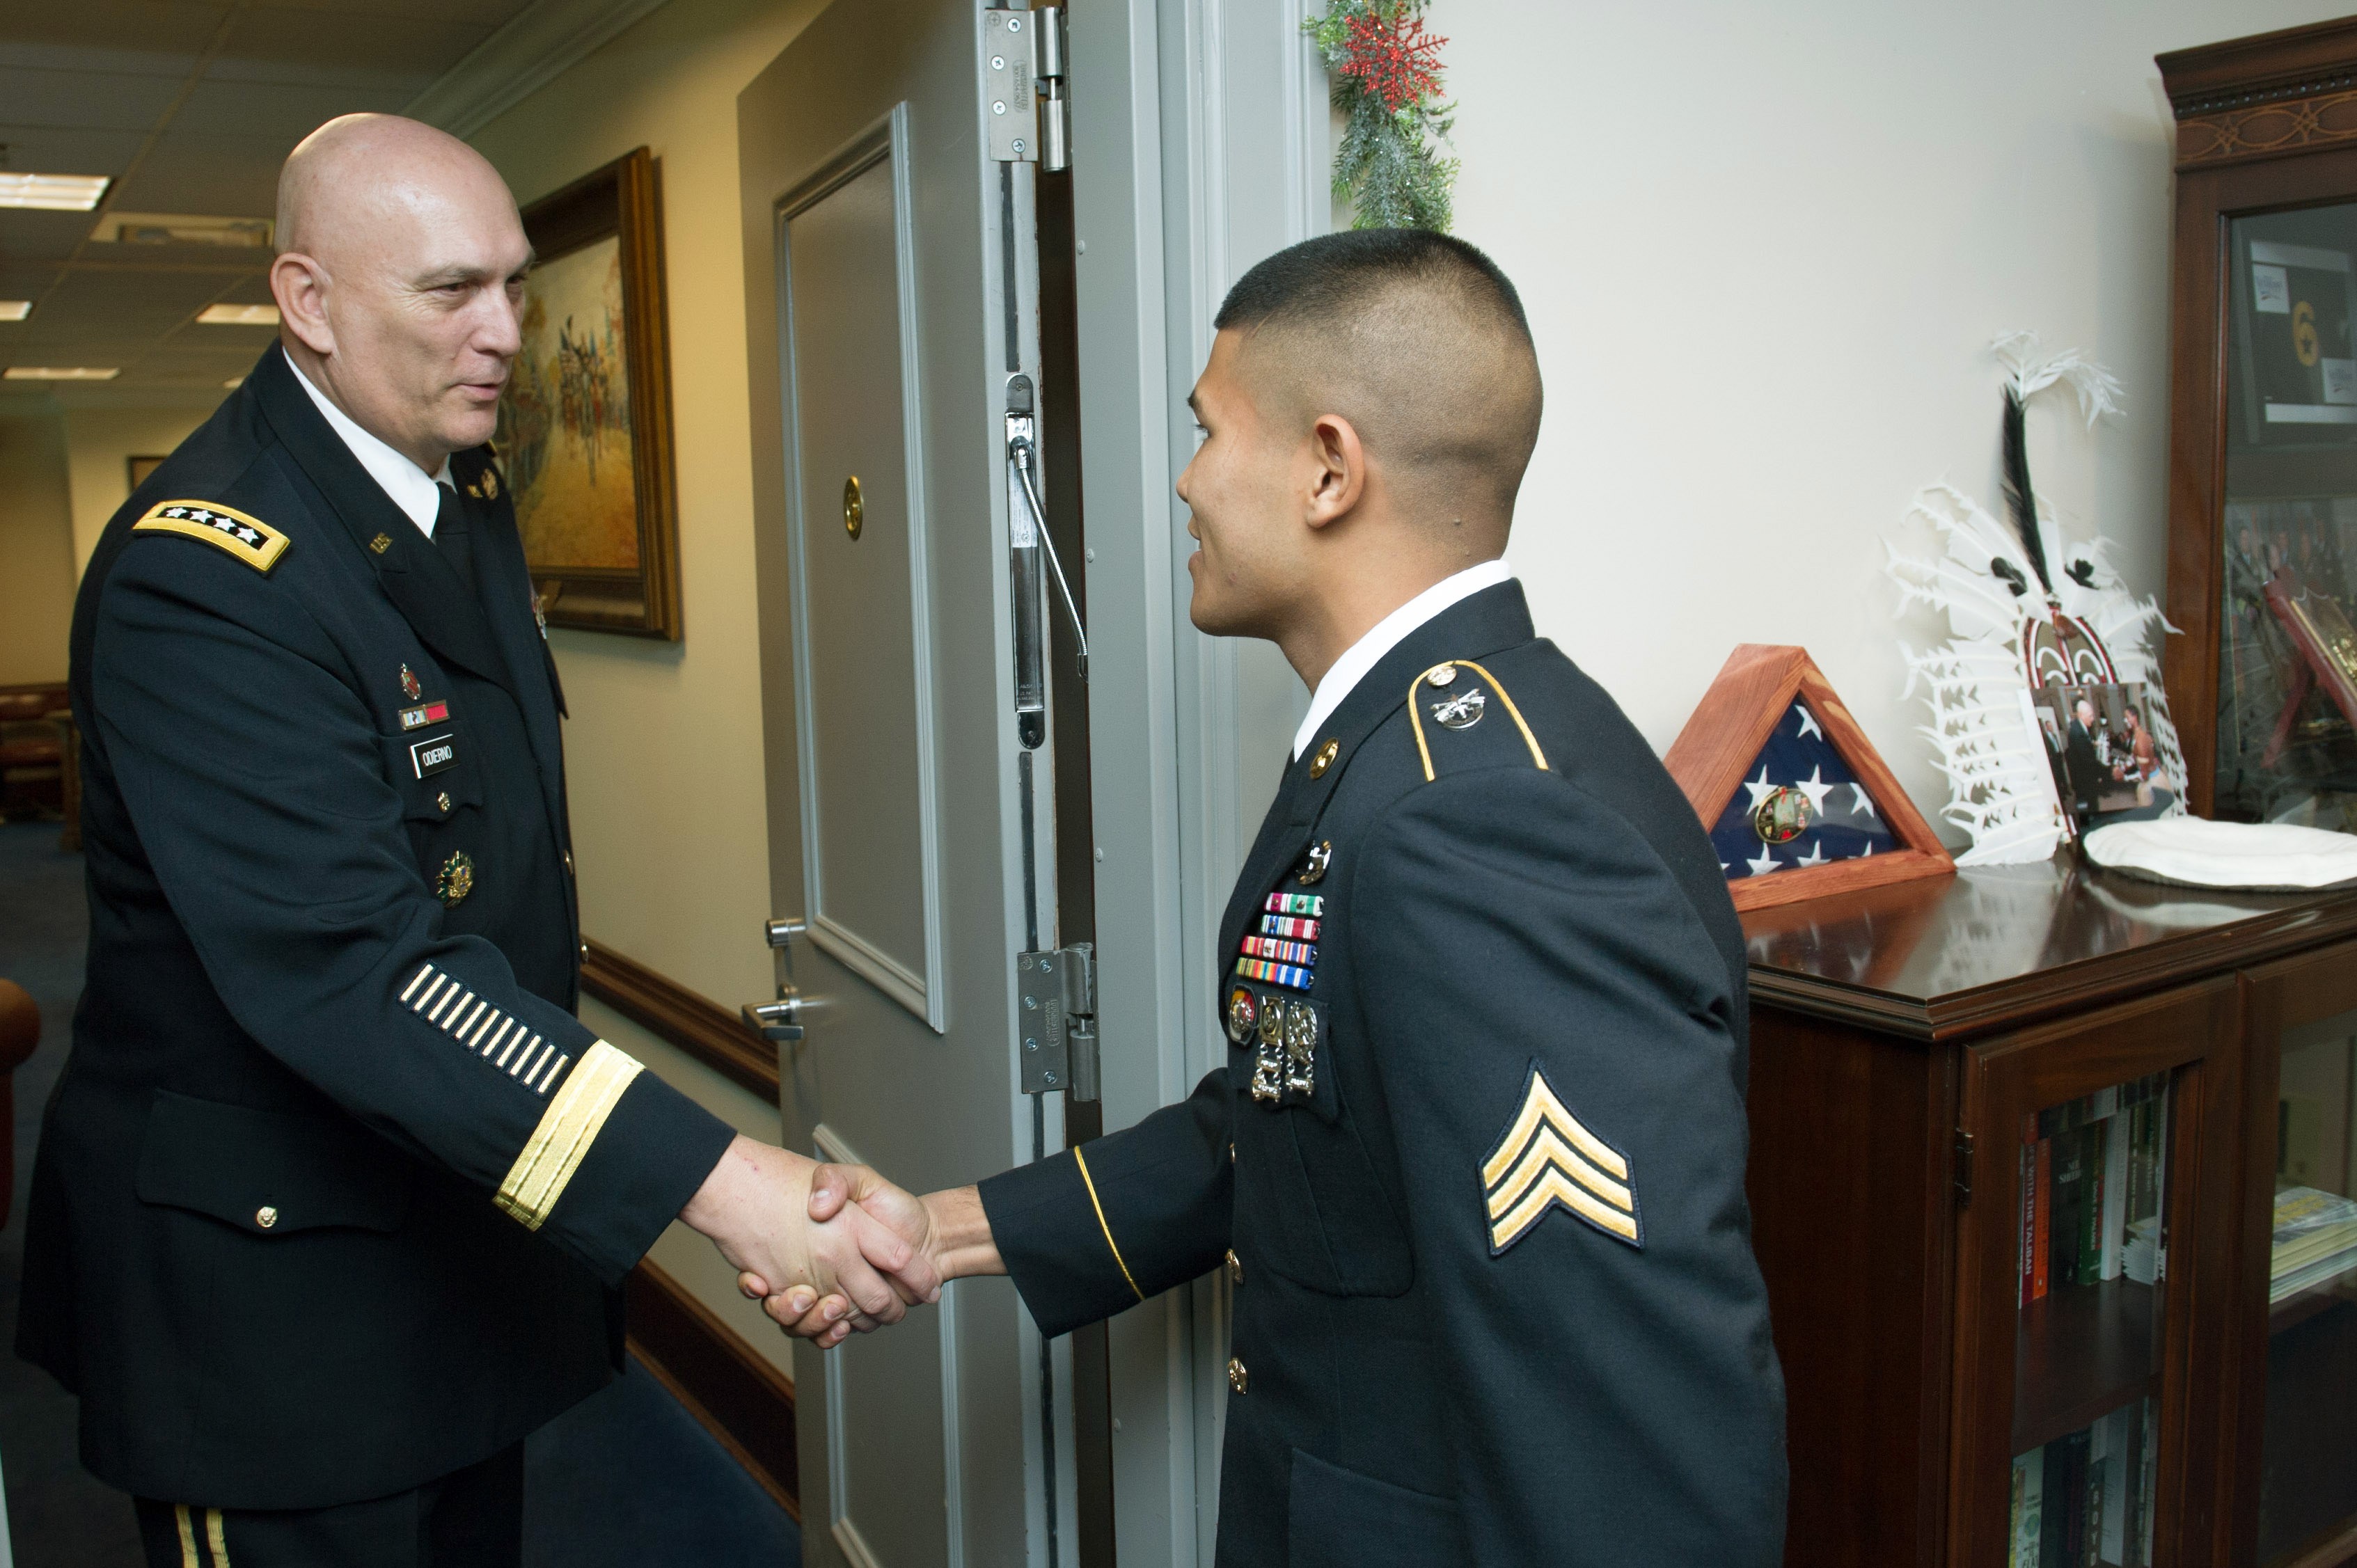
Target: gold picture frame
[[584, 431]]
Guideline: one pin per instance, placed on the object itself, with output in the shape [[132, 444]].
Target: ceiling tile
[[50, 149], [107, 102], [93, 28], [281, 111], [229, 176], [26, 235], [275, 35]]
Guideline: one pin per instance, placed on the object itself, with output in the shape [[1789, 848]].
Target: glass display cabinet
[[2262, 432], [2051, 1183]]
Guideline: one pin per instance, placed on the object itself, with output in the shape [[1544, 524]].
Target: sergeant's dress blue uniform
[[335, 1193], [1475, 1164]]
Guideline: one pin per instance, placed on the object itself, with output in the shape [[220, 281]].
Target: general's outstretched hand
[[753, 1207], [942, 1236]]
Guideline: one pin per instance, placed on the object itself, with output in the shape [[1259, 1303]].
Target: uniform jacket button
[[1235, 1268], [265, 1216], [1238, 1379], [568, 863]]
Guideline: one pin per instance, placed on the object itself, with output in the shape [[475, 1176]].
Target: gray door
[[884, 338]]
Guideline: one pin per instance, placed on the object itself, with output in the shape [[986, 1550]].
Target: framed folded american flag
[[1796, 800]]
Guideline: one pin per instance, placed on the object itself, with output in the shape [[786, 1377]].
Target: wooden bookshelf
[[1899, 1037]]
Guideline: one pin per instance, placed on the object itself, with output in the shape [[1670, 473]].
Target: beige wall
[[1764, 266], [99, 441], [36, 557], [664, 750]]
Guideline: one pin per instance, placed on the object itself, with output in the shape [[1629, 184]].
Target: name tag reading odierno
[[431, 756], [425, 714]]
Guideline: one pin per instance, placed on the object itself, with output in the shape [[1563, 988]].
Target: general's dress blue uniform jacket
[[1475, 1163], [335, 1191]]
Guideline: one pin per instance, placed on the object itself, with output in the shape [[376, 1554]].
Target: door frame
[[1201, 137]]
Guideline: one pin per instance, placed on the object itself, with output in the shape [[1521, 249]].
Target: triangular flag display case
[[1792, 794]]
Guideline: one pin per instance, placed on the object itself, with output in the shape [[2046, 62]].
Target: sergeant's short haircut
[[1418, 339]]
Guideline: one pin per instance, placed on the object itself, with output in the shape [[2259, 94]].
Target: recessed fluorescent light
[[53, 192], [14, 309], [59, 373], [239, 316], [118, 228]]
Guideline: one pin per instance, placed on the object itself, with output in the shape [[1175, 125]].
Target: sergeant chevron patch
[[1547, 1159], [249, 539]]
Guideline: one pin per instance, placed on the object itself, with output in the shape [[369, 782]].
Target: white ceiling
[[191, 106]]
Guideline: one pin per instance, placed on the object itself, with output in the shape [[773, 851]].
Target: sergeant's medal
[[1270, 1058]]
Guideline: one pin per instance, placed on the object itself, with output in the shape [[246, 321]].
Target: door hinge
[[1056, 1012], [1024, 88], [1964, 1167]]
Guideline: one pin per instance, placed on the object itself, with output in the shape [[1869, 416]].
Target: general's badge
[[455, 880], [1546, 1159], [409, 686], [1314, 864]]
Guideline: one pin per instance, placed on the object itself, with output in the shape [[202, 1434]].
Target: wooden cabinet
[[2262, 424], [2016, 1145]]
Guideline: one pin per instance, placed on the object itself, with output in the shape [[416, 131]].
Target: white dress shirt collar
[[1387, 634], [417, 496]]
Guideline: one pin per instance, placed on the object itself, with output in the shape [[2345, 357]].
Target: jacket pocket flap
[[268, 1172]]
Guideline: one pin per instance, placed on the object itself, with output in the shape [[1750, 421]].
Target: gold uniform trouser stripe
[[216, 1541], [571, 1123], [1081, 1160]]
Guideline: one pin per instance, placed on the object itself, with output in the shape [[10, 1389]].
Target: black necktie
[[450, 538]]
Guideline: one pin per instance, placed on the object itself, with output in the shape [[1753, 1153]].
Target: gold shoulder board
[[249, 539]]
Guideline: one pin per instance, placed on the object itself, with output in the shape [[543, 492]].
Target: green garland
[[1386, 74]]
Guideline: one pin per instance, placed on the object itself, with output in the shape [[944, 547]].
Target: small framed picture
[[137, 469], [2099, 743], [585, 433]]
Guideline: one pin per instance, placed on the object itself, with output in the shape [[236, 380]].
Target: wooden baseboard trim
[[736, 1392], [705, 1030]]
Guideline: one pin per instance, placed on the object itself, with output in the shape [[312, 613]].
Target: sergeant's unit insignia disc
[[1313, 864], [1243, 1015], [1440, 674], [1462, 711], [1325, 759], [457, 879], [409, 686]]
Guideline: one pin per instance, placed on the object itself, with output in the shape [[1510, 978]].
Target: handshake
[[828, 1250]]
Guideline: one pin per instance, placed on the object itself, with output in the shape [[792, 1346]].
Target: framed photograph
[[585, 432], [2099, 742], [2299, 310], [137, 469]]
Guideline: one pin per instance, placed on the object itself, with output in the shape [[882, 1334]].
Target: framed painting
[[584, 431], [136, 468]]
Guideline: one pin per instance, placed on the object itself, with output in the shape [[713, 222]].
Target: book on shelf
[[2028, 1492], [2315, 1242], [2093, 1185]]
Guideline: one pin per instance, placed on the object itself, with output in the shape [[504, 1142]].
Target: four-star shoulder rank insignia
[[1546, 1158], [249, 539]]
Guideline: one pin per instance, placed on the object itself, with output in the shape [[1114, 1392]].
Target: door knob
[[778, 1021], [781, 933]]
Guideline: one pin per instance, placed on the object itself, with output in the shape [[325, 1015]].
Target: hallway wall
[[100, 440], [1764, 249], [36, 556], [663, 749]]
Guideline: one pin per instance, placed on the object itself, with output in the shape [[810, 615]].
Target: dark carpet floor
[[628, 1479]]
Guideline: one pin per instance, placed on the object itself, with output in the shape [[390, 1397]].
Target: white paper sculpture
[[2023, 607]]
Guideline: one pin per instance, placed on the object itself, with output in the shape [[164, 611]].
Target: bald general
[[1419, 340], [399, 279]]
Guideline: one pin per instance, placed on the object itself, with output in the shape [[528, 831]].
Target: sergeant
[[1474, 1165], [333, 1200]]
